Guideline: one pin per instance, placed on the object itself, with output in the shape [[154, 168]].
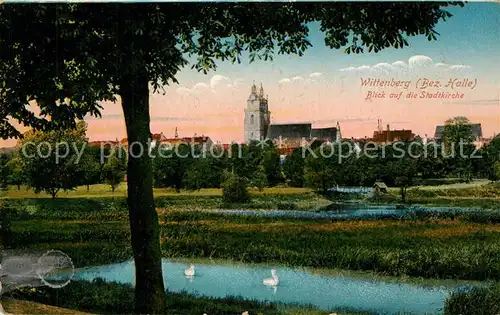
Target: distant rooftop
[[476, 129], [289, 131]]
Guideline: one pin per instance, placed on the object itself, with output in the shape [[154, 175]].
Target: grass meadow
[[92, 228]]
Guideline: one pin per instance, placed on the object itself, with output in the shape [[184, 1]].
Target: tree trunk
[[144, 228], [88, 188], [18, 187]]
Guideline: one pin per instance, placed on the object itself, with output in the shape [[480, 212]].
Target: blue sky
[[471, 36], [314, 89]]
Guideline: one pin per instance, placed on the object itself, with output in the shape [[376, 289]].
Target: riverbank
[[99, 297], [475, 195], [95, 231]]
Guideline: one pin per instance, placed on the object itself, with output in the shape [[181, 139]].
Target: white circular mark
[[55, 269]]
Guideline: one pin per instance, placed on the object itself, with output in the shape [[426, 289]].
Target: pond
[[326, 290], [358, 212]]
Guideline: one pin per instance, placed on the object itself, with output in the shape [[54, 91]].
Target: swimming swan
[[189, 271], [273, 281]]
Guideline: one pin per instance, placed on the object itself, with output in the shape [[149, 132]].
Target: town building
[[194, 140], [258, 126], [390, 136]]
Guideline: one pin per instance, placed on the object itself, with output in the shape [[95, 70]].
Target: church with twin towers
[[258, 126]]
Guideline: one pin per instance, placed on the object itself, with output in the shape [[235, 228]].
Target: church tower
[[257, 115]]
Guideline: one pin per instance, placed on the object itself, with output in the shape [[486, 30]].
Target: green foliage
[[4, 172], [171, 164], [260, 178], [270, 162], [204, 172], [17, 174], [114, 169], [5, 228], [234, 188], [322, 169], [51, 160], [92, 167], [90, 69], [457, 130], [458, 141], [483, 191], [496, 167], [405, 169], [293, 168], [474, 301]]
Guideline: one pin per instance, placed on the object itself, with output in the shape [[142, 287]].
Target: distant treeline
[[319, 166]]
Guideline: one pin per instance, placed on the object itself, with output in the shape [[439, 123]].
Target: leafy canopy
[[69, 57]]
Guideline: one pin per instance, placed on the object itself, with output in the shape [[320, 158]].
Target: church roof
[[298, 130], [329, 133]]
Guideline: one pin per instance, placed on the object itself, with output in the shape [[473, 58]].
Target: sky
[[325, 86]]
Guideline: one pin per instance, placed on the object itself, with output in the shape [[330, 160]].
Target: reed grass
[[101, 297], [475, 301]]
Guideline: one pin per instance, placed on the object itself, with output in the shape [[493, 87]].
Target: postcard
[[288, 157]]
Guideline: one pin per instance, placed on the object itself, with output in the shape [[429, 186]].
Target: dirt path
[[25, 307]]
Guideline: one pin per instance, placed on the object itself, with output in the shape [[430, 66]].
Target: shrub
[[480, 301], [234, 189], [5, 228]]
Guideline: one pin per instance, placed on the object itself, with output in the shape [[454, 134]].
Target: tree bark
[[144, 227], [53, 193]]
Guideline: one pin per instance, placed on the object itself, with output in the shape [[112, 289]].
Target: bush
[[234, 189], [5, 228], [480, 301]]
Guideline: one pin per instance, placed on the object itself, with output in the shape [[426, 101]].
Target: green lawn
[[475, 183], [101, 190]]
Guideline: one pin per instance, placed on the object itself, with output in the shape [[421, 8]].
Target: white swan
[[190, 271], [273, 281], [244, 313]]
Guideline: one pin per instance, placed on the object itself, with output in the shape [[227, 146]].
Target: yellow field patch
[[333, 226], [453, 231], [25, 307]]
